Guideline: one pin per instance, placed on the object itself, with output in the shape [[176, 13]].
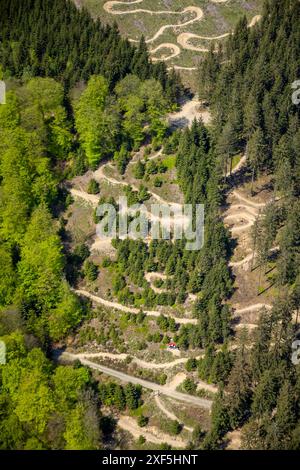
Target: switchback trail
[[182, 39], [123, 308]]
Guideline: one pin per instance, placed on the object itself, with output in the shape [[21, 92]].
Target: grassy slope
[[218, 19]]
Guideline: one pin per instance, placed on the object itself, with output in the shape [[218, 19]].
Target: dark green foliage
[[142, 421], [139, 170], [53, 38], [173, 427], [93, 187], [189, 385]]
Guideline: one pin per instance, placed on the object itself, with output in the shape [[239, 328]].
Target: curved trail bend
[[123, 308], [190, 399], [108, 7], [136, 360], [183, 39], [169, 414]]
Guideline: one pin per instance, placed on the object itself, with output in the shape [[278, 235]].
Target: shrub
[[189, 385], [191, 364], [90, 271], [139, 170], [141, 440], [82, 252], [174, 427], [93, 187], [143, 420]]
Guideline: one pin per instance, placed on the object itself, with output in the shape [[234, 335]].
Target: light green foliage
[[90, 271], [41, 264], [45, 408], [66, 315], [7, 276], [27, 383], [139, 170], [14, 345], [82, 431], [142, 104], [69, 383], [96, 120]]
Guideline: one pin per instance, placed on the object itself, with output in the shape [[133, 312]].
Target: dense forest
[[45, 136], [249, 87], [53, 38], [77, 94]]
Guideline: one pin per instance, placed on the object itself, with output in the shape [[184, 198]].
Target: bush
[[174, 427], [189, 386], [147, 151], [165, 446], [139, 170], [156, 337], [143, 420], [158, 182], [106, 262], [90, 271], [141, 440], [93, 187], [122, 158], [191, 364], [162, 379], [197, 434], [82, 252]]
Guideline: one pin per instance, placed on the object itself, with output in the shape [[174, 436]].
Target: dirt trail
[[237, 167], [242, 214], [150, 433], [151, 276], [100, 175], [90, 198], [182, 67], [168, 413], [108, 7], [136, 360], [163, 389], [123, 308], [166, 45], [253, 308], [248, 201], [176, 380], [201, 385], [184, 38], [190, 110], [234, 438]]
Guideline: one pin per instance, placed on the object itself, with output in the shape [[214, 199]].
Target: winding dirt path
[[151, 276], [112, 7], [163, 389], [108, 7], [237, 167], [100, 175], [123, 308], [166, 45], [150, 433], [248, 201], [183, 39], [136, 360], [253, 308], [189, 111], [168, 413], [90, 198]]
